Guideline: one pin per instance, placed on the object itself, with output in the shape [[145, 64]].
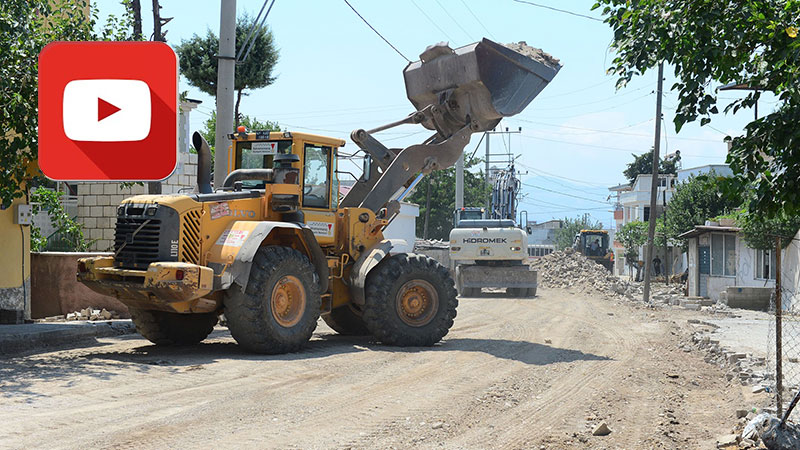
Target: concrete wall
[[55, 290], [15, 267]]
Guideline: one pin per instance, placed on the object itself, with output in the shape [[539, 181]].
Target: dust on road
[[512, 373]]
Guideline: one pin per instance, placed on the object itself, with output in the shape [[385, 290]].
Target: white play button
[[106, 110]]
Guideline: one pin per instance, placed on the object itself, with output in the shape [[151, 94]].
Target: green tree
[[69, 233], [760, 231], [643, 164], [26, 26], [250, 123], [565, 236], [632, 235], [198, 61], [697, 200], [749, 42], [442, 198]]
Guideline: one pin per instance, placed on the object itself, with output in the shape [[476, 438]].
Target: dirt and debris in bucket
[[534, 53]]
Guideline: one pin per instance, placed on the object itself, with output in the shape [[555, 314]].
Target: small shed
[[712, 258]]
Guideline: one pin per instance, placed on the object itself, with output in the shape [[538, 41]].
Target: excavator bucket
[[477, 84]]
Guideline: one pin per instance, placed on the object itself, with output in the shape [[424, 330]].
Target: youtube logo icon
[[108, 111]]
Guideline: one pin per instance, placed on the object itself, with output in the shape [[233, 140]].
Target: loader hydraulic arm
[[456, 93]]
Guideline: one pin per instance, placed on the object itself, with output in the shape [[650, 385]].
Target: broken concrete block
[[601, 430], [106, 315], [758, 389], [741, 413], [725, 441]]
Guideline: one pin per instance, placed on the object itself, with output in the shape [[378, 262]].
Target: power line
[[573, 91], [563, 193], [614, 131], [432, 22], [598, 185], [583, 113], [626, 150], [454, 20], [376, 32], [478, 20], [580, 105], [560, 10]]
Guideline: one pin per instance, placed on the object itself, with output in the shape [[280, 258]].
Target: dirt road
[[511, 374]]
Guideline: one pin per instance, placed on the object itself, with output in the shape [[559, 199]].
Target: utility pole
[[460, 182], [651, 222], [508, 160], [226, 63], [153, 187], [666, 258]]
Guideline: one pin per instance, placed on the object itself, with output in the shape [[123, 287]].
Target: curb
[[40, 336]]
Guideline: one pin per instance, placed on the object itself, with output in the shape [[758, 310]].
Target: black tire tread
[[380, 315], [245, 309], [165, 328]]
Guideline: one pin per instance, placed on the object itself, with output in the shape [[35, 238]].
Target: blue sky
[[336, 75]]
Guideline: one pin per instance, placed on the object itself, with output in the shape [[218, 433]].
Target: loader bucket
[[479, 83]]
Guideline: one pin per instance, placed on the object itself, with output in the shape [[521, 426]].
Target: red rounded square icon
[[108, 111]]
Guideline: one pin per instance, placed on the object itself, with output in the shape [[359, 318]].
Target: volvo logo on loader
[[485, 240]]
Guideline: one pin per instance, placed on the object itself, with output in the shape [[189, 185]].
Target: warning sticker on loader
[[321, 228], [264, 148], [233, 238], [220, 210]]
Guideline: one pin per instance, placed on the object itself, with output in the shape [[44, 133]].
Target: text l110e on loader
[[274, 248]]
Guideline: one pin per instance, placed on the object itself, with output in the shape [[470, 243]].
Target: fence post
[[778, 330]]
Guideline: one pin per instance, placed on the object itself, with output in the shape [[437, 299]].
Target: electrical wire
[[478, 20], [562, 193], [376, 32], [432, 22], [455, 21], [602, 100], [585, 113], [560, 10]]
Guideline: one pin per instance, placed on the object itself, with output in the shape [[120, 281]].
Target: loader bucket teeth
[[477, 84]]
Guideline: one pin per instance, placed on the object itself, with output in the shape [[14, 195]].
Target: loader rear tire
[[164, 328], [344, 320], [278, 309], [410, 301]]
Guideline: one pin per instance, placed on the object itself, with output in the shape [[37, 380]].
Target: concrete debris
[[726, 441], [772, 434], [569, 270], [601, 430], [437, 425], [84, 314]]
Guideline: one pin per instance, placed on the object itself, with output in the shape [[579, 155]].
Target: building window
[[723, 254], [765, 264], [646, 214]]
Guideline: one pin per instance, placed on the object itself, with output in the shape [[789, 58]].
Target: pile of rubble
[[570, 270], [85, 314]]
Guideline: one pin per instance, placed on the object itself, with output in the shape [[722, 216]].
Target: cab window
[[259, 155], [316, 176]]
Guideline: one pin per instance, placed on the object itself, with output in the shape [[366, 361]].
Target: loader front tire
[[278, 309], [410, 301], [165, 328], [344, 320]]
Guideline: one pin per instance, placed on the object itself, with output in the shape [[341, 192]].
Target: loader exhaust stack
[[456, 93]]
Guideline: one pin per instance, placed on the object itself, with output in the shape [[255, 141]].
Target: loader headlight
[[121, 210], [516, 249], [151, 211]]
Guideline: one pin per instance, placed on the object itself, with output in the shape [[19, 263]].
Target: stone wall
[[97, 202]]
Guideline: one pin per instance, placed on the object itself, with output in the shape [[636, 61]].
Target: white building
[[633, 203]]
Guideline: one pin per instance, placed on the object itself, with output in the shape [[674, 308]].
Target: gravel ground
[[512, 373]]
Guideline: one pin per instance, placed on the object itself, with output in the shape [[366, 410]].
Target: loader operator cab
[[317, 156], [592, 243]]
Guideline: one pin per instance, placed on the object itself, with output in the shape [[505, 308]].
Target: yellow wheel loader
[[274, 248]]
